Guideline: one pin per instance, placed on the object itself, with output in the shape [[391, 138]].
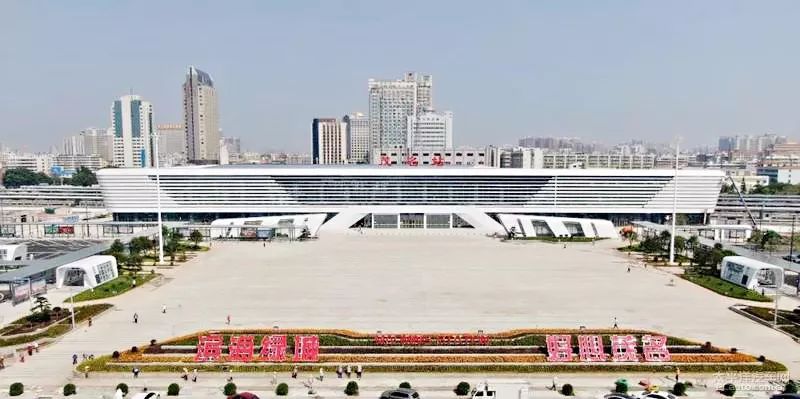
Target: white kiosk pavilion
[[750, 273], [92, 271]]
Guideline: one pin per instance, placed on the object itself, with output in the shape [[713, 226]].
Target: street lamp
[[674, 204], [158, 200]]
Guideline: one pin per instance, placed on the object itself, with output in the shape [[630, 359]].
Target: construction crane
[[741, 199]]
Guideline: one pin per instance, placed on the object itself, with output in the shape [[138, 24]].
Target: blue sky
[[600, 70]]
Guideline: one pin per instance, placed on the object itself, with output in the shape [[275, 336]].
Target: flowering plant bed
[[528, 350]]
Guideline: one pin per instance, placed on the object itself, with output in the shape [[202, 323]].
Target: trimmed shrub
[[134, 349], [282, 389], [729, 389], [229, 389], [462, 388], [567, 390], [679, 389], [173, 389], [16, 389], [351, 389], [69, 389], [405, 384], [152, 342], [122, 387], [115, 355], [761, 358], [620, 387], [791, 387], [734, 350]]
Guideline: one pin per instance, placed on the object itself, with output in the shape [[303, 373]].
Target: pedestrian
[[264, 244], [194, 375], [348, 371], [90, 321], [294, 372], [22, 357], [164, 309], [135, 372], [84, 356], [185, 374], [321, 374], [565, 245], [228, 320], [85, 371], [230, 375], [629, 268], [677, 374], [74, 358], [554, 387], [136, 318], [592, 241], [30, 349], [2, 362], [359, 371], [615, 323], [133, 282], [274, 378], [339, 372], [36, 346]]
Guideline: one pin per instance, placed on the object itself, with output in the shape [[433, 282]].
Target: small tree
[[351, 389], [117, 250], [405, 384], [41, 305], [631, 236], [729, 389], [173, 389], [462, 388], [69, 389], [16, 389], [229, 389], [123, 387], [282, 389], [680, 245], [196, 236], [691, 244], [769, 240], [679, 389]]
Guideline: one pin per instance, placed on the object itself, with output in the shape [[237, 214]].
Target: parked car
[[400, 393], [785, 396], [147, 395], [795, 258], [658, 395]]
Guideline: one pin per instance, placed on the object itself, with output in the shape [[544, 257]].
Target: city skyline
[[609, 72]]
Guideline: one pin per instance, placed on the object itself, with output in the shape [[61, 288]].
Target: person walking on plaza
[[359, 371], [30, 350], [677, 374], [185, 374], [90, 321], [36, 346], [616, 325], [228, 320], [321, 374], [194, 375], [294, 372], [136, 318], [74, 358], [164, 309], [274, 378], [85, 371], [554, 387], [348, 370], [135, 372], [629, 268], [339, 372]]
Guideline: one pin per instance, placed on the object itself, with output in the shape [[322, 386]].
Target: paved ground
[[398, 283]]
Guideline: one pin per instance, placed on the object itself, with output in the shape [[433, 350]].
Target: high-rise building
[[171, 144], [73, 145], [430, 130], [233, 144], [132, 125], [391, 102], [357, 132], [99, 142], [201, 118], [328, 141]]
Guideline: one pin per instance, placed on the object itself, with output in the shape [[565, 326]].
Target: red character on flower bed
[[559, 348], [655, 349], [273, 348], [241, 348], [209, 348], [623, 348], [306, 348], [590, 348]]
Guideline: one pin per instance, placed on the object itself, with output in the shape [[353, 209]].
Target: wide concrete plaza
[[398, 282]]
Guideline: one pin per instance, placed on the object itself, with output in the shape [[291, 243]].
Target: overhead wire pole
[[674, 205], [158, 201]]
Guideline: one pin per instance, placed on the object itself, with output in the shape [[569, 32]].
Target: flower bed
[[58, 327]]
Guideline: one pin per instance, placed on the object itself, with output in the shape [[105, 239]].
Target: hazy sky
[[600, 70]]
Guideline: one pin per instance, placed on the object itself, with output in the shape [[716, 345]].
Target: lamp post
[[158, 200], [674, 205]]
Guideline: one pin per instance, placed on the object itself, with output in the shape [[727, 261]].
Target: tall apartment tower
[[201, 118], [99, 142], [357, 132], [430, 130], [391, 102], [328, 141], [132, 125]]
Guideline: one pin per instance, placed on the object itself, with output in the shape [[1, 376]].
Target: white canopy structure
[[750, 273], [93, 271]]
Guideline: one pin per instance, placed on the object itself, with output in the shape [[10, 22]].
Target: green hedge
[[726, 288], [117, 286], [82, 313]]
